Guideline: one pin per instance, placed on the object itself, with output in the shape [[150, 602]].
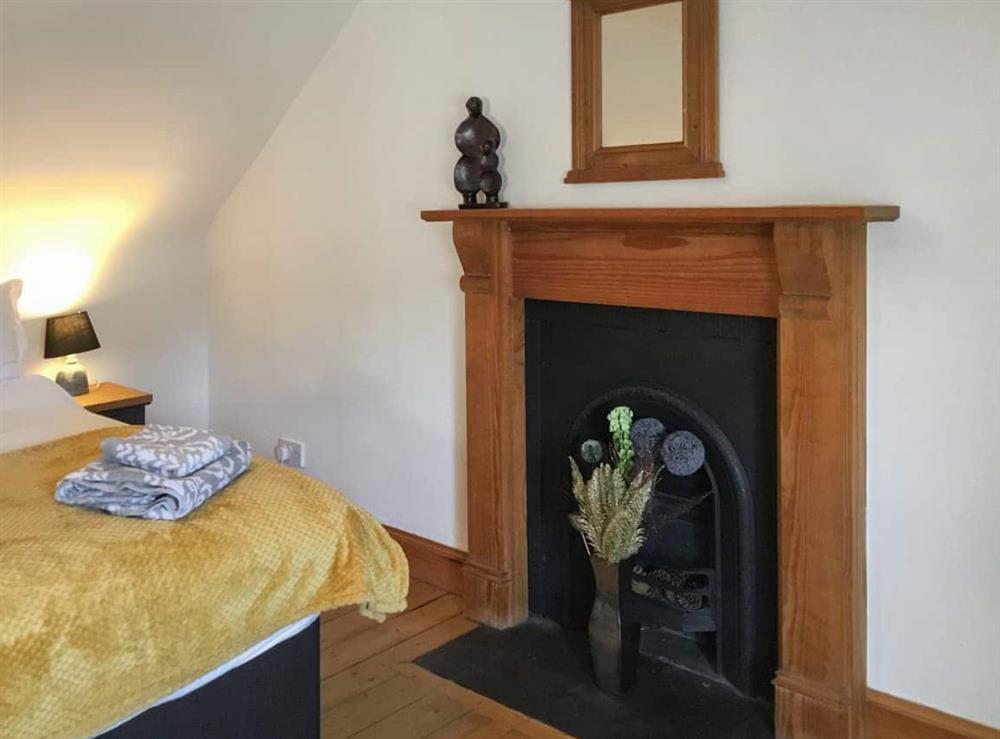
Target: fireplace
[[802, 266], [704, 585]]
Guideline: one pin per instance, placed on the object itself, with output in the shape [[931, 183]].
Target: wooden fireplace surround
[[805, 266]]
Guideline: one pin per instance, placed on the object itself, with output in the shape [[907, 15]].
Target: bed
[[204, 627]]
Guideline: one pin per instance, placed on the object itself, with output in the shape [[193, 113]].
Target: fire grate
[[686, 591]]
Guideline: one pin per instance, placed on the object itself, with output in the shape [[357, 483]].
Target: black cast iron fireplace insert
[[704, 586]]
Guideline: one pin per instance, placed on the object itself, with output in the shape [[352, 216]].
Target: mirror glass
[[642, 76]]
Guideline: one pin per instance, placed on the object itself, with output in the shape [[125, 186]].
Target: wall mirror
[[645, 90]]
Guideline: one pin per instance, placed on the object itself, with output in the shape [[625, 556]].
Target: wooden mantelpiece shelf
[[746, 214], [803, 265]]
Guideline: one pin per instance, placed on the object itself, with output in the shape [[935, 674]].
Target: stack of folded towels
[[162, 472]]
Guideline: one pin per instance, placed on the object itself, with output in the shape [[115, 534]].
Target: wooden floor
[[371, 689]]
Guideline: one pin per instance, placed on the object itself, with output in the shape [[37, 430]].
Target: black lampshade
[[69, 334]]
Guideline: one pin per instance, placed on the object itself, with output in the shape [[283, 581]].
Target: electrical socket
[[290, 452]]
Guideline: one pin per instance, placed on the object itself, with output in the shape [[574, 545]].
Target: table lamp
[[67, 336]]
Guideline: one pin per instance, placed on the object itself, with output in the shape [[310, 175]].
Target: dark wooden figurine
[[478, 140]]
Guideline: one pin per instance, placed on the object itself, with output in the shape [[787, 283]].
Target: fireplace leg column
[[821, 352], [495, 574]]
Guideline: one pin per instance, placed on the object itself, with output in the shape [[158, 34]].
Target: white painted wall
[[336, 314], [123, 127], [148, 305]]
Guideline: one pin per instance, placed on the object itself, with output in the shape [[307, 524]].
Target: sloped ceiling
[[156, 106]]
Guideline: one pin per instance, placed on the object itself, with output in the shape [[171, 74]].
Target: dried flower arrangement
[[613, 501]]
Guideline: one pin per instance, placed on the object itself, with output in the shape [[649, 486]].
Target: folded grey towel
[[129, 491], [172, 451]]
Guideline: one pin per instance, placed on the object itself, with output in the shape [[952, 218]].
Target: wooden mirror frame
[[694, 157]]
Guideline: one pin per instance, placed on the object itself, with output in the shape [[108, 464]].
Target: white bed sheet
[[33, 410]]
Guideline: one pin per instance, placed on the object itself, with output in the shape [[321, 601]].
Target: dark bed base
[[275, 695]]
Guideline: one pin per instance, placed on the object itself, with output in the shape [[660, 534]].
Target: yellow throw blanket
[[101, 616]]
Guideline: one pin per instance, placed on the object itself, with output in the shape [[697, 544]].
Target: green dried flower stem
[[620, 425]]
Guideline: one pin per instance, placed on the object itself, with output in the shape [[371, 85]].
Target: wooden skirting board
[[889, 717], [430, 561]]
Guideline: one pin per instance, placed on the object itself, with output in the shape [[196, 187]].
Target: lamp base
[[73, 381]]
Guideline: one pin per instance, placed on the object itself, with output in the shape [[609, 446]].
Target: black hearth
[[704, 586]]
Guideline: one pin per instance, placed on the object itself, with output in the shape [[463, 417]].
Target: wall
[[123, 127], [337, 318], [147, 298]]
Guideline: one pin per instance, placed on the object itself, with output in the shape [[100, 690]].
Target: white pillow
[[12, 339]]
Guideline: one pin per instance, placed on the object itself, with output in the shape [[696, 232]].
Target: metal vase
[[614, 643]]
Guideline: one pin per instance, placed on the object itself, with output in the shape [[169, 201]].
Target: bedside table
[[121, 403]]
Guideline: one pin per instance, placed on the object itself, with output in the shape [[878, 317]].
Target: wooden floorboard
[[420, 718], [367, 674], [371, 690], [352, 624], [341, 655]]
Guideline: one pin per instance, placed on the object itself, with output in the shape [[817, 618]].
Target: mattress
[[256, 650], [34, 410]]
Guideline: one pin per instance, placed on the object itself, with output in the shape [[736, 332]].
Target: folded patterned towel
[[129, 491], [172, 451]]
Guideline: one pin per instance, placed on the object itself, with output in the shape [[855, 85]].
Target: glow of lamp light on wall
[[57, 242], [59, 253]]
